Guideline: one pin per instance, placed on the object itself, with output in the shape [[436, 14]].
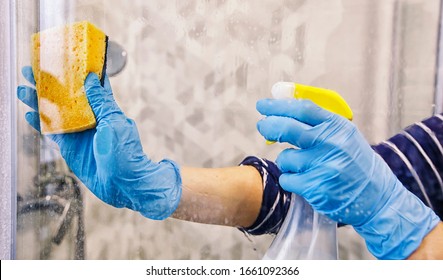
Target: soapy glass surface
[[197, 67]]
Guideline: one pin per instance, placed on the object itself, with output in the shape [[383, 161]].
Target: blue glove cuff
[[398, 229], [165, 201]]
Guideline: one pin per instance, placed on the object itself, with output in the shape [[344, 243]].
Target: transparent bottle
[[304, 235]]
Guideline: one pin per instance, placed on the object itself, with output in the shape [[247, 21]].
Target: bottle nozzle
[[282, 90]]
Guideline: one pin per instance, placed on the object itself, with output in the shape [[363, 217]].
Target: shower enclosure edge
[[7, 131]]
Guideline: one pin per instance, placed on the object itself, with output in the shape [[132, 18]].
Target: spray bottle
[[306, 234]]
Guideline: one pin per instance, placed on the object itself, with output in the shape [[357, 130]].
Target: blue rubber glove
[[338, 173], [109, 159]]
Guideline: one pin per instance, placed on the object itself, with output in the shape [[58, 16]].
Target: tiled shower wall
[[195, 70]]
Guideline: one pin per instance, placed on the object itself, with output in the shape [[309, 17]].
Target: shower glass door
[[189, 73]]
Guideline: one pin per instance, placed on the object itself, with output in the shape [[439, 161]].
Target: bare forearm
[[431, 247], [228, 196]]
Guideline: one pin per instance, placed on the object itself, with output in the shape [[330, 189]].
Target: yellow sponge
[[62, 57]]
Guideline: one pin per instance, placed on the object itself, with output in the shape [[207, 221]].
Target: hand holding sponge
[[109, 158]]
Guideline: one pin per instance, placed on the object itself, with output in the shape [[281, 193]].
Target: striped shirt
[[415, 155]]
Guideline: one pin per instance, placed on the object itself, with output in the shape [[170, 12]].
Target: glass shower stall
[[189, 73]]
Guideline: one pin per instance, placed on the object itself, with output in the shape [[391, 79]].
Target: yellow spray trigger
[[325, 98]]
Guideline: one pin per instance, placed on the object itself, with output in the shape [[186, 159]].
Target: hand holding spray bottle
[[306, 234]]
